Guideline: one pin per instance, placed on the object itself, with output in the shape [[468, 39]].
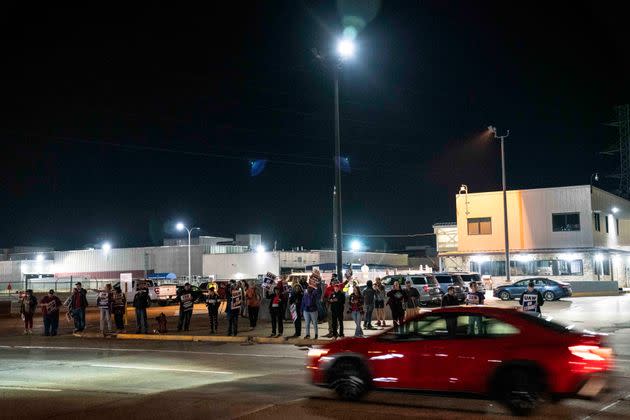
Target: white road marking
[[611, 405], [28, 388], [158, 368], [148, 351]]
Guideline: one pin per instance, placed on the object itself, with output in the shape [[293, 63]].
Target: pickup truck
[[165, 293], [129, 294]]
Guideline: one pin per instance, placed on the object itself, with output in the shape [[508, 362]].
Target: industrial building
[[224, 258], [577, 233]]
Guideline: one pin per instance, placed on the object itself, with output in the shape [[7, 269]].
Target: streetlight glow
[[180, 226], [356, 245], [615, 209], [107, 247], [345, 48], [260, 249], [39, 258]]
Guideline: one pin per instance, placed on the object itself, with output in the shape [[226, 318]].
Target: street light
[[356, 245], [39, 258], [180, 226], [493, 130], [106, 247]]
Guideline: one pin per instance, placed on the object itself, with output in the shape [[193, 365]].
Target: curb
[[207, 338]]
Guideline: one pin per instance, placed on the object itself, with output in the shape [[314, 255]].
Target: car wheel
[[505, 295], [520, 390], [349, 379], [549, 295]]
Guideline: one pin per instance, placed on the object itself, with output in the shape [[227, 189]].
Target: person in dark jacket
[[28, 305], [531, 300], [50, 305], [275, 307], [449, 299], [369, 295], [78, 304], [213, 303], [295, 304], [309, 309], [141, 301], [186, 304], [355, 309], [337, 300], [119, 305], [396, 299], [233, 307]]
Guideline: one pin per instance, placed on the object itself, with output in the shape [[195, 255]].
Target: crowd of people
[[306, 303]]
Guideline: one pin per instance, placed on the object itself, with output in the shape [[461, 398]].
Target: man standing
[[368, 302], [50, 310], [119, 305], [449, 299], [186, 303], [141, 301], [28, 305], [531, 300], [413, 300], [337, 303], [213, 302], [330, 289], [233, 308], [104, 303], [474, 297], [78, 303]]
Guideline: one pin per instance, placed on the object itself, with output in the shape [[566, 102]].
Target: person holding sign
[[50, 310], [474, 297], [531, 300], [233, 307], [275, 306], [212, 302], [119, 305], [104, 303], [295, 307], [186, 303]]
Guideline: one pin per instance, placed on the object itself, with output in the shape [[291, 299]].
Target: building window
[[606, 218], [617, 226], [547, 268], [480, 226], [602, 267], [492, 268], [566, 222], [597, 222]]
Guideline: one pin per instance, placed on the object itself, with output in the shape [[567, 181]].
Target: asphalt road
[[68, 378]]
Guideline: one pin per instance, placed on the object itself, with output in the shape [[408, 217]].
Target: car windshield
[[444, 279], [470, 277], [389, 281]]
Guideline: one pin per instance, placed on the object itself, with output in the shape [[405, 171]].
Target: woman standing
[[356, 310], [28, 304], [379, 302], [295, 305], [396, 298], [253, 304]]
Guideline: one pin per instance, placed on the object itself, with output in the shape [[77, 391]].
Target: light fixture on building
[[479, 258], [39, 258], [260, 249], [568, 257], [615, 210], [599, 257], [524, 257]]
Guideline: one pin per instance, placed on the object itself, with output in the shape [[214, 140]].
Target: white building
[[577, 233]]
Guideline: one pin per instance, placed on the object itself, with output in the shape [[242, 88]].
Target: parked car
[[166, 293], [129, 294], [550, 289], [220, 287], [497, 358], [198, 296], [445, 280], [468, 278], [426, 284]]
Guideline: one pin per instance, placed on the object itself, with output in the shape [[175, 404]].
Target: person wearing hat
[[50, 305], [119, 305], [28, 304], [78, 303]]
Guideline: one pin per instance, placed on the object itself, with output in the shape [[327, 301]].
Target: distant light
[[180, 226], [356, 245], [523, 257], [260, 249], [345, 48], [569, 257], [106, 247], [599, 257], [39, 257], [480, 258], [615, 210]]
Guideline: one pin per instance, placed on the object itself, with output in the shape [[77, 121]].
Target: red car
[[501, 353]]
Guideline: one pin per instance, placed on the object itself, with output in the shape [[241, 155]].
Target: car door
[[518, 288], [541, 285]]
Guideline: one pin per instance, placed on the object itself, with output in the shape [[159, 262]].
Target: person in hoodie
[[50, 305], [356, 310], [141, 301], [213, 303], [309, 309], [28, 305], [119, 307], [104, 303], [78, 304], [337, 301], [186, 304]]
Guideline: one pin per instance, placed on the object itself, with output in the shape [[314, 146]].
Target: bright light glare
[[260, 249], [39, 257], [317, 352], [107, 247], [524, 257], [480, 258], [615, 209], [345, 48], [180, 226], [356, 245], [599, 258]]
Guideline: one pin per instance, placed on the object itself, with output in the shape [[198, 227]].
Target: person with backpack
[[50, 305], [186, 304], [78, 304], [309, 309], [119, 306], [253, 299], [141, 301], [213, 302], [104, 304], [28, 305]]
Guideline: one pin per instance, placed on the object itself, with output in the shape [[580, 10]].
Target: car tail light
[[157, 290], [317, 353], [594, 353]]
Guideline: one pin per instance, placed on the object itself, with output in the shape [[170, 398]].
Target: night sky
[[122, 121]]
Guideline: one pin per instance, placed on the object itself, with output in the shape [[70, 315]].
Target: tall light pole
[[180, 226], [505, 217]]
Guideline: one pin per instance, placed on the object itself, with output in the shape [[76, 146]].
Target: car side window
[[520, 283], [419, 280], [431, 326], [479, 326]]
